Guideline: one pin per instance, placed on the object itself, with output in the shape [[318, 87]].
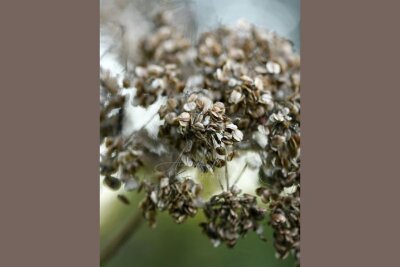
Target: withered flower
[[235, 89], [179, 198], [111, 107], [285, 220], [230, 216], [119, 158], [281, 160], [199, 128]]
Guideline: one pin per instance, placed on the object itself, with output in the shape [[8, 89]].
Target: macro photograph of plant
[[199, 133]]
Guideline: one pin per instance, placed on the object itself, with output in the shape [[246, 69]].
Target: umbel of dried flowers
[[235, 89]]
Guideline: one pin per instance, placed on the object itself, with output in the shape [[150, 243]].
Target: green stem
[[121, 238]]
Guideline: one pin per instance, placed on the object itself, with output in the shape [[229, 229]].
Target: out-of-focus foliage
[[172, 245]]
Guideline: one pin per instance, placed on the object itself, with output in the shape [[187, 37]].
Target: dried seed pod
[[235, 97], [112, 182], [155, 70], [199, 127], [273, 67], [124, 199], [237, 135], [126, 83], [219, 163], [184, 119], [221, 150], [190, 106], [264, 193]]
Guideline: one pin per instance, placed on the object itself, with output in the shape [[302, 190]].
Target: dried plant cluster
[[235, 89]]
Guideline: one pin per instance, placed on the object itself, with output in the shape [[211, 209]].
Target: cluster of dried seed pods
[[179, 197], [166, 44], [248, 68], [201, 129], [111, 107], [230, 215], [285, 220], [281, 153], [154, 81], [123, 159]]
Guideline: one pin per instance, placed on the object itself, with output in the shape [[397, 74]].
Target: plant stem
[[226, 173], [240, 175], [129, 139], [120, 238]]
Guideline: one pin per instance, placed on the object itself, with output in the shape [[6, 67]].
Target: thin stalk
[[130, 137], [226, 173], [240, 175], [220, 183], [120, 238]]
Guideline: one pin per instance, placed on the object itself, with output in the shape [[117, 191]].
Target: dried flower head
[[230, 216], [235, 89], [285, 220], [200, 129], [179, 198], [111, 107]]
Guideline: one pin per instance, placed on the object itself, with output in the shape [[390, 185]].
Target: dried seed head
[[235, 89], [230, 216], [180, 198]]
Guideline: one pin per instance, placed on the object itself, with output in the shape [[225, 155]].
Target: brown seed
[[112, 182], [172, 103], [219, 163], [263, 193], [126, 83], [199, 126], [235, 97], [221, 150], [237, 135], [184, 118], [278, 218], [124, 199]]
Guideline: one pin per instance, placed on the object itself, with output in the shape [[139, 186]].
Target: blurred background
[[173, 245], [122, 22]]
